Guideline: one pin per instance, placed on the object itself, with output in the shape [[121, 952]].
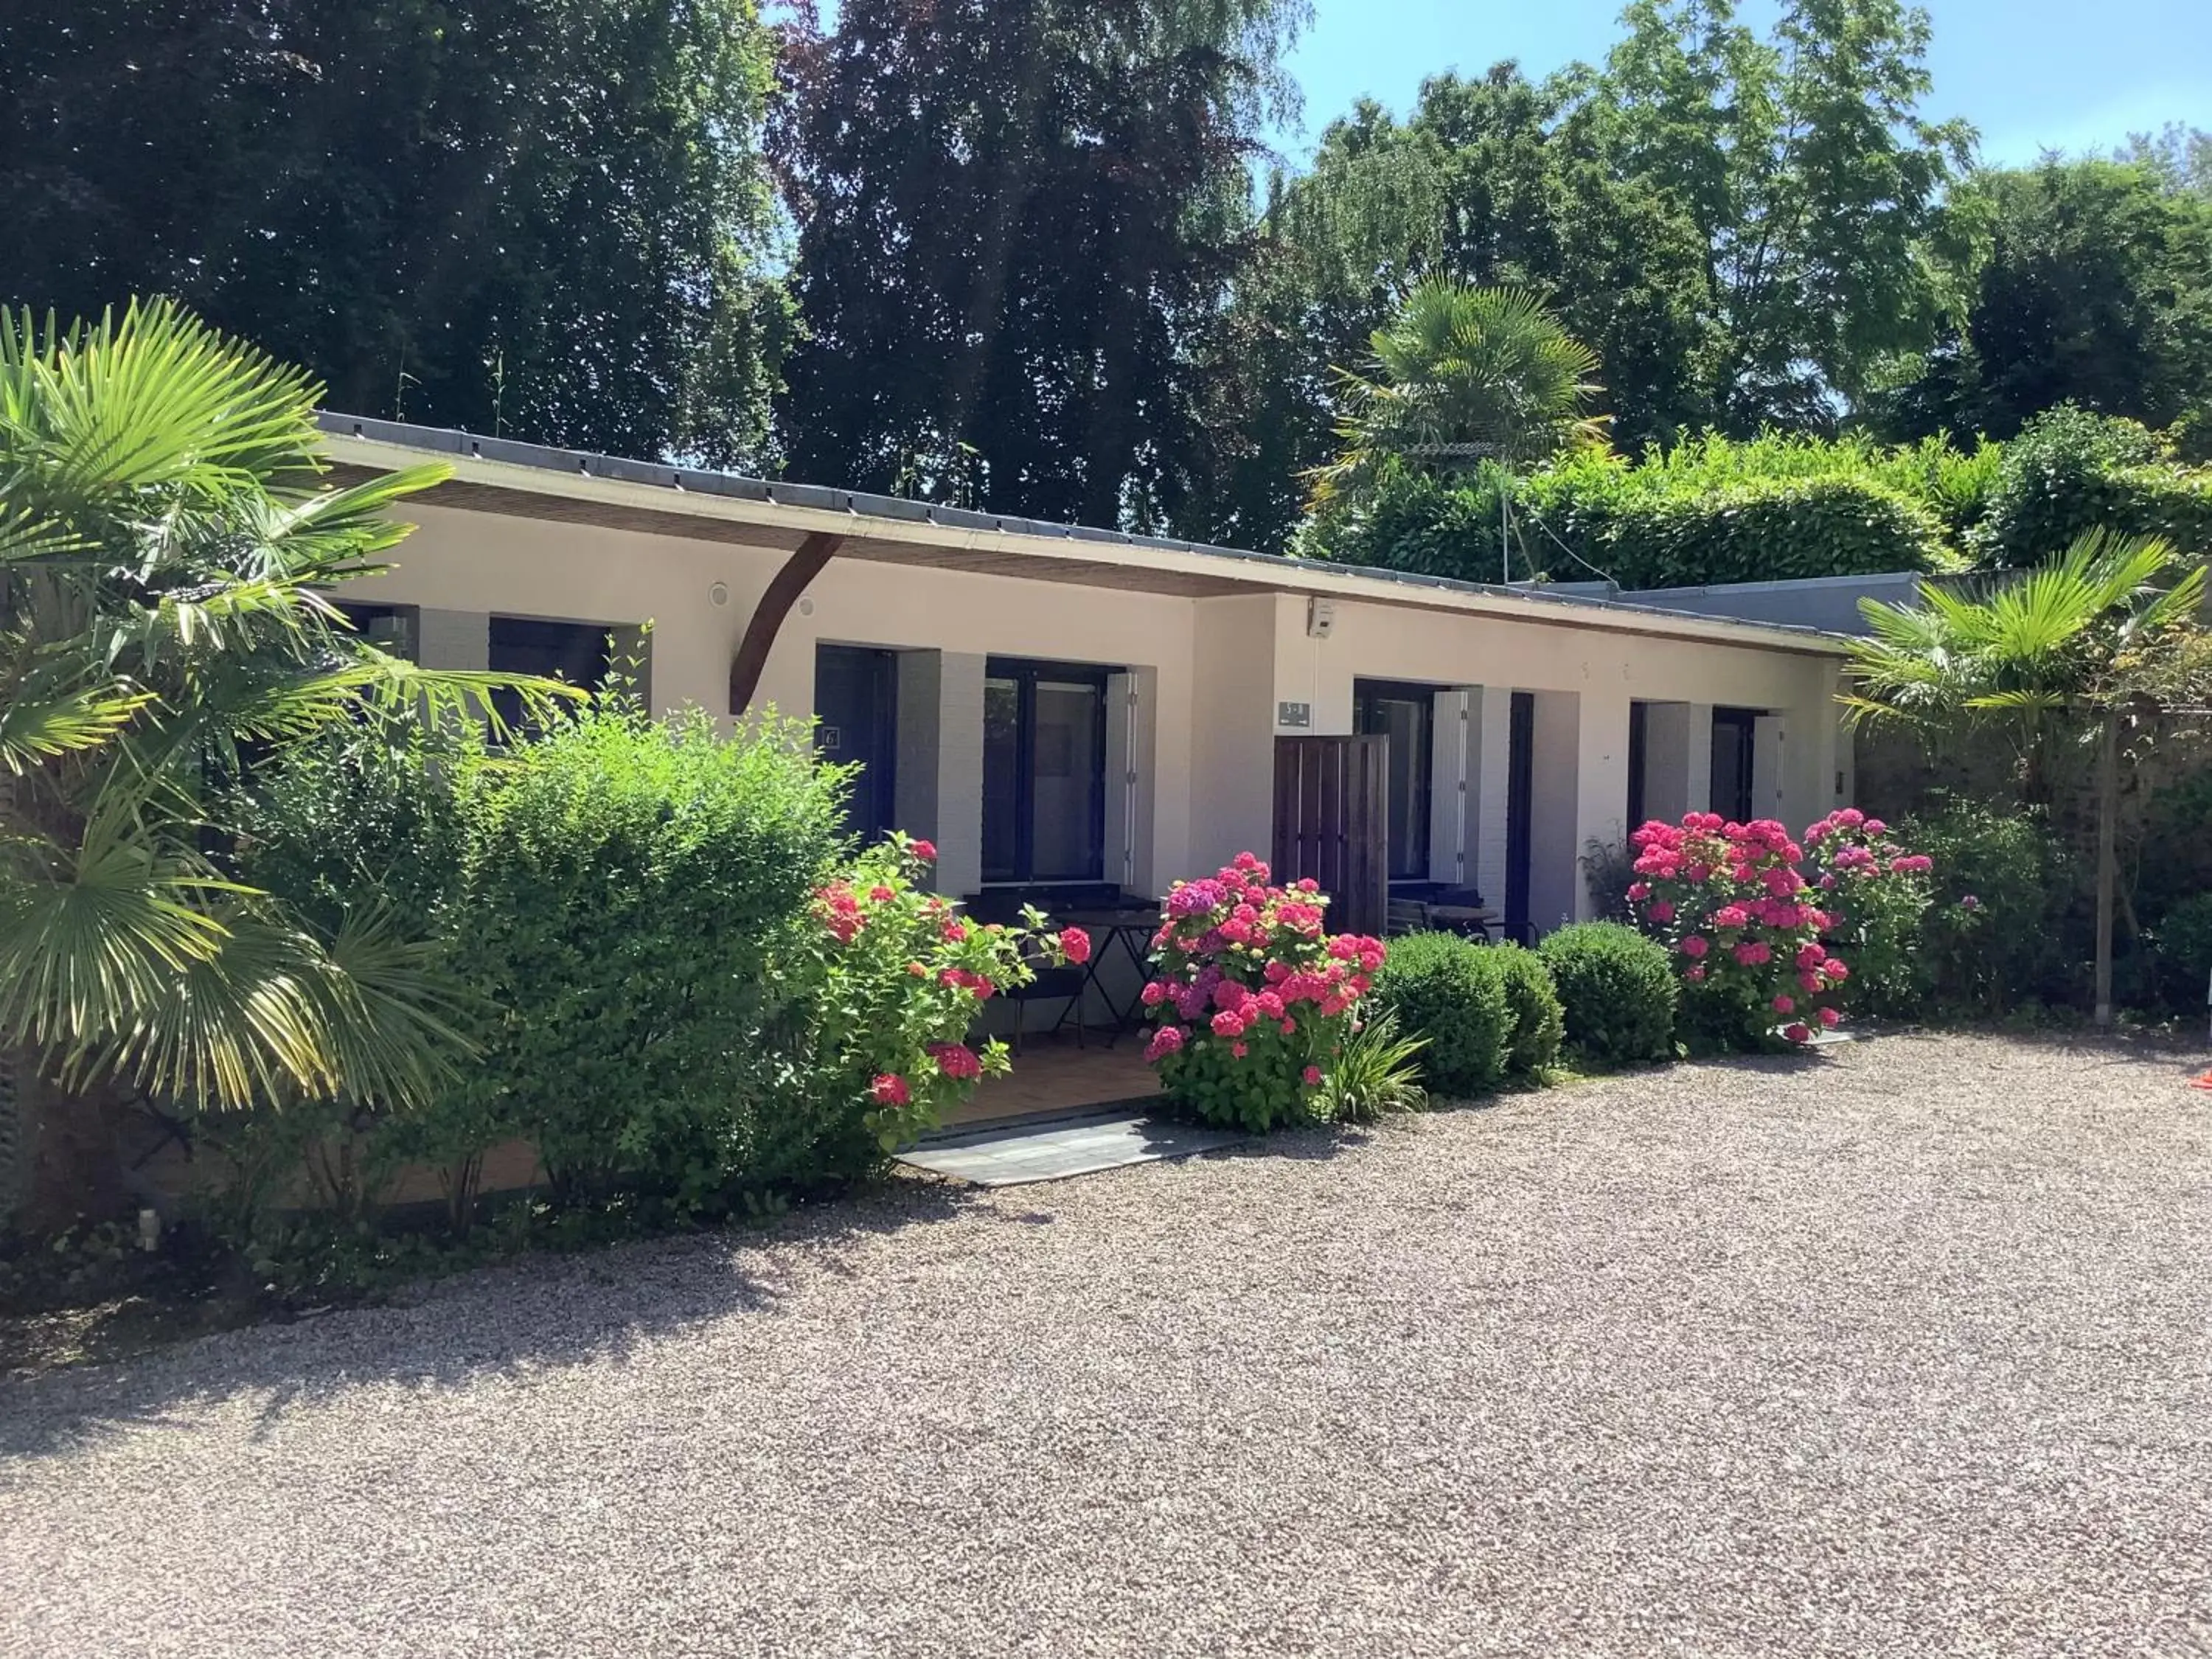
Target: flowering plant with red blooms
[[904, 977], [1746, 929], [1249, 996], [1876, 893]]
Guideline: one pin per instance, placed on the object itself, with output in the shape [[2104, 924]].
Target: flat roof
[[498, 475]]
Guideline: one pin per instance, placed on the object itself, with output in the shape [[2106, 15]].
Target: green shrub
[[1539, 1021], [1616, 992], [2070, 471], [1375, 1074], [1709, 510], [1452, 993], [1766, 531], [1996, 935], [2184, 948], [632, 891]]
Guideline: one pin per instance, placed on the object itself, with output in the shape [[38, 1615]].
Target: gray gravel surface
[[1903, 1351]]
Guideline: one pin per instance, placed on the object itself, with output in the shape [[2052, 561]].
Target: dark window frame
[[1025, 672], [508, 703]]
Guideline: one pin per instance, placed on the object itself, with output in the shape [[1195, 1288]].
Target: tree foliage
[[2109, 622], [1014, 217], [1730, 221], [2087, 282], [547, 218], [166, 548], [1457, 377]]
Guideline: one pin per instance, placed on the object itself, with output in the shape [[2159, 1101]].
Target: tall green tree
[[544, 218], [1494, 181], [166, 548], [1803, 160], [2086, 282], [1015, 217]]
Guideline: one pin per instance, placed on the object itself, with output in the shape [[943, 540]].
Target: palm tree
[[166, 537], [1459, 377], [2049, 660]]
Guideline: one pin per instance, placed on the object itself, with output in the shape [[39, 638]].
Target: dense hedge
[[631, 886], [1769, 529], [1452, 993], [1617, 991], [2001, 933], [2070, 471], [1711, 512], [1715, 510]]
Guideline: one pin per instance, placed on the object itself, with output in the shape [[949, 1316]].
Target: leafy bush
[[2070, 471], [2184, 946], [889, 983], [1450, 992], [1876, 895], [635, 889], [1708, 511], [1731, 903], [1252, 998], [1616, 992], [1377, 1073], [362, 828], [1539, 1022], [1996, 935]]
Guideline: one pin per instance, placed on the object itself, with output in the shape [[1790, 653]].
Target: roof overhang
[[669, 500]]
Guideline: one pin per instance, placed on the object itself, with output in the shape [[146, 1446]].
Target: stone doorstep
[[1058, 1146]]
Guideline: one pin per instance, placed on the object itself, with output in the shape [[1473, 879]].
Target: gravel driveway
[[1903, 1351]]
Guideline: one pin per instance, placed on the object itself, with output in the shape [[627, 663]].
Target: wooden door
[[1333, 824]]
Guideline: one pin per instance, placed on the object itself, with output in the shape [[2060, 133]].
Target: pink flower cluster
[[1238, 960], [1732, 901]]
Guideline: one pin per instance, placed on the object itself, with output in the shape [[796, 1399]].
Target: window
[[1407, 715], [1044, 771], [1733, 732], [575, 652]]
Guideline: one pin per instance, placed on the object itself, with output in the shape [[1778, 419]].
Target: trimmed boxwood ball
[[1450, 992], [1539, 1021], [1617, 990]]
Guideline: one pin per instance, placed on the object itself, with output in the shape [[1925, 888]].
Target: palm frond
[[33, 730]]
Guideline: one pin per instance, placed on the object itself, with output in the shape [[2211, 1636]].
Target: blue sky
[[2030, 74]]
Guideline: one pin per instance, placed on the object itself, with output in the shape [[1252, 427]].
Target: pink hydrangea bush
[[904, 977], [1731, 904], [1876, 894], [1251, 999]]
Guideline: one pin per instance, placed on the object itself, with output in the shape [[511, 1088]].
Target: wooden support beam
[[802, 567]]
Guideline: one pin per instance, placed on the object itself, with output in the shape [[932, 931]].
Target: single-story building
[[1054, 705]]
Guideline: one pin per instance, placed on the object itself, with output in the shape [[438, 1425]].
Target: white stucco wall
[[1213, 672]]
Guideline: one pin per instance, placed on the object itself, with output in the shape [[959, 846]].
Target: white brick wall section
[[1491, 719], [1555, 878], [960, 774], [1701, 756], [453, 638], [1601, 785]]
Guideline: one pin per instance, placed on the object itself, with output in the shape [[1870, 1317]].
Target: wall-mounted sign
[[1294, 714]]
